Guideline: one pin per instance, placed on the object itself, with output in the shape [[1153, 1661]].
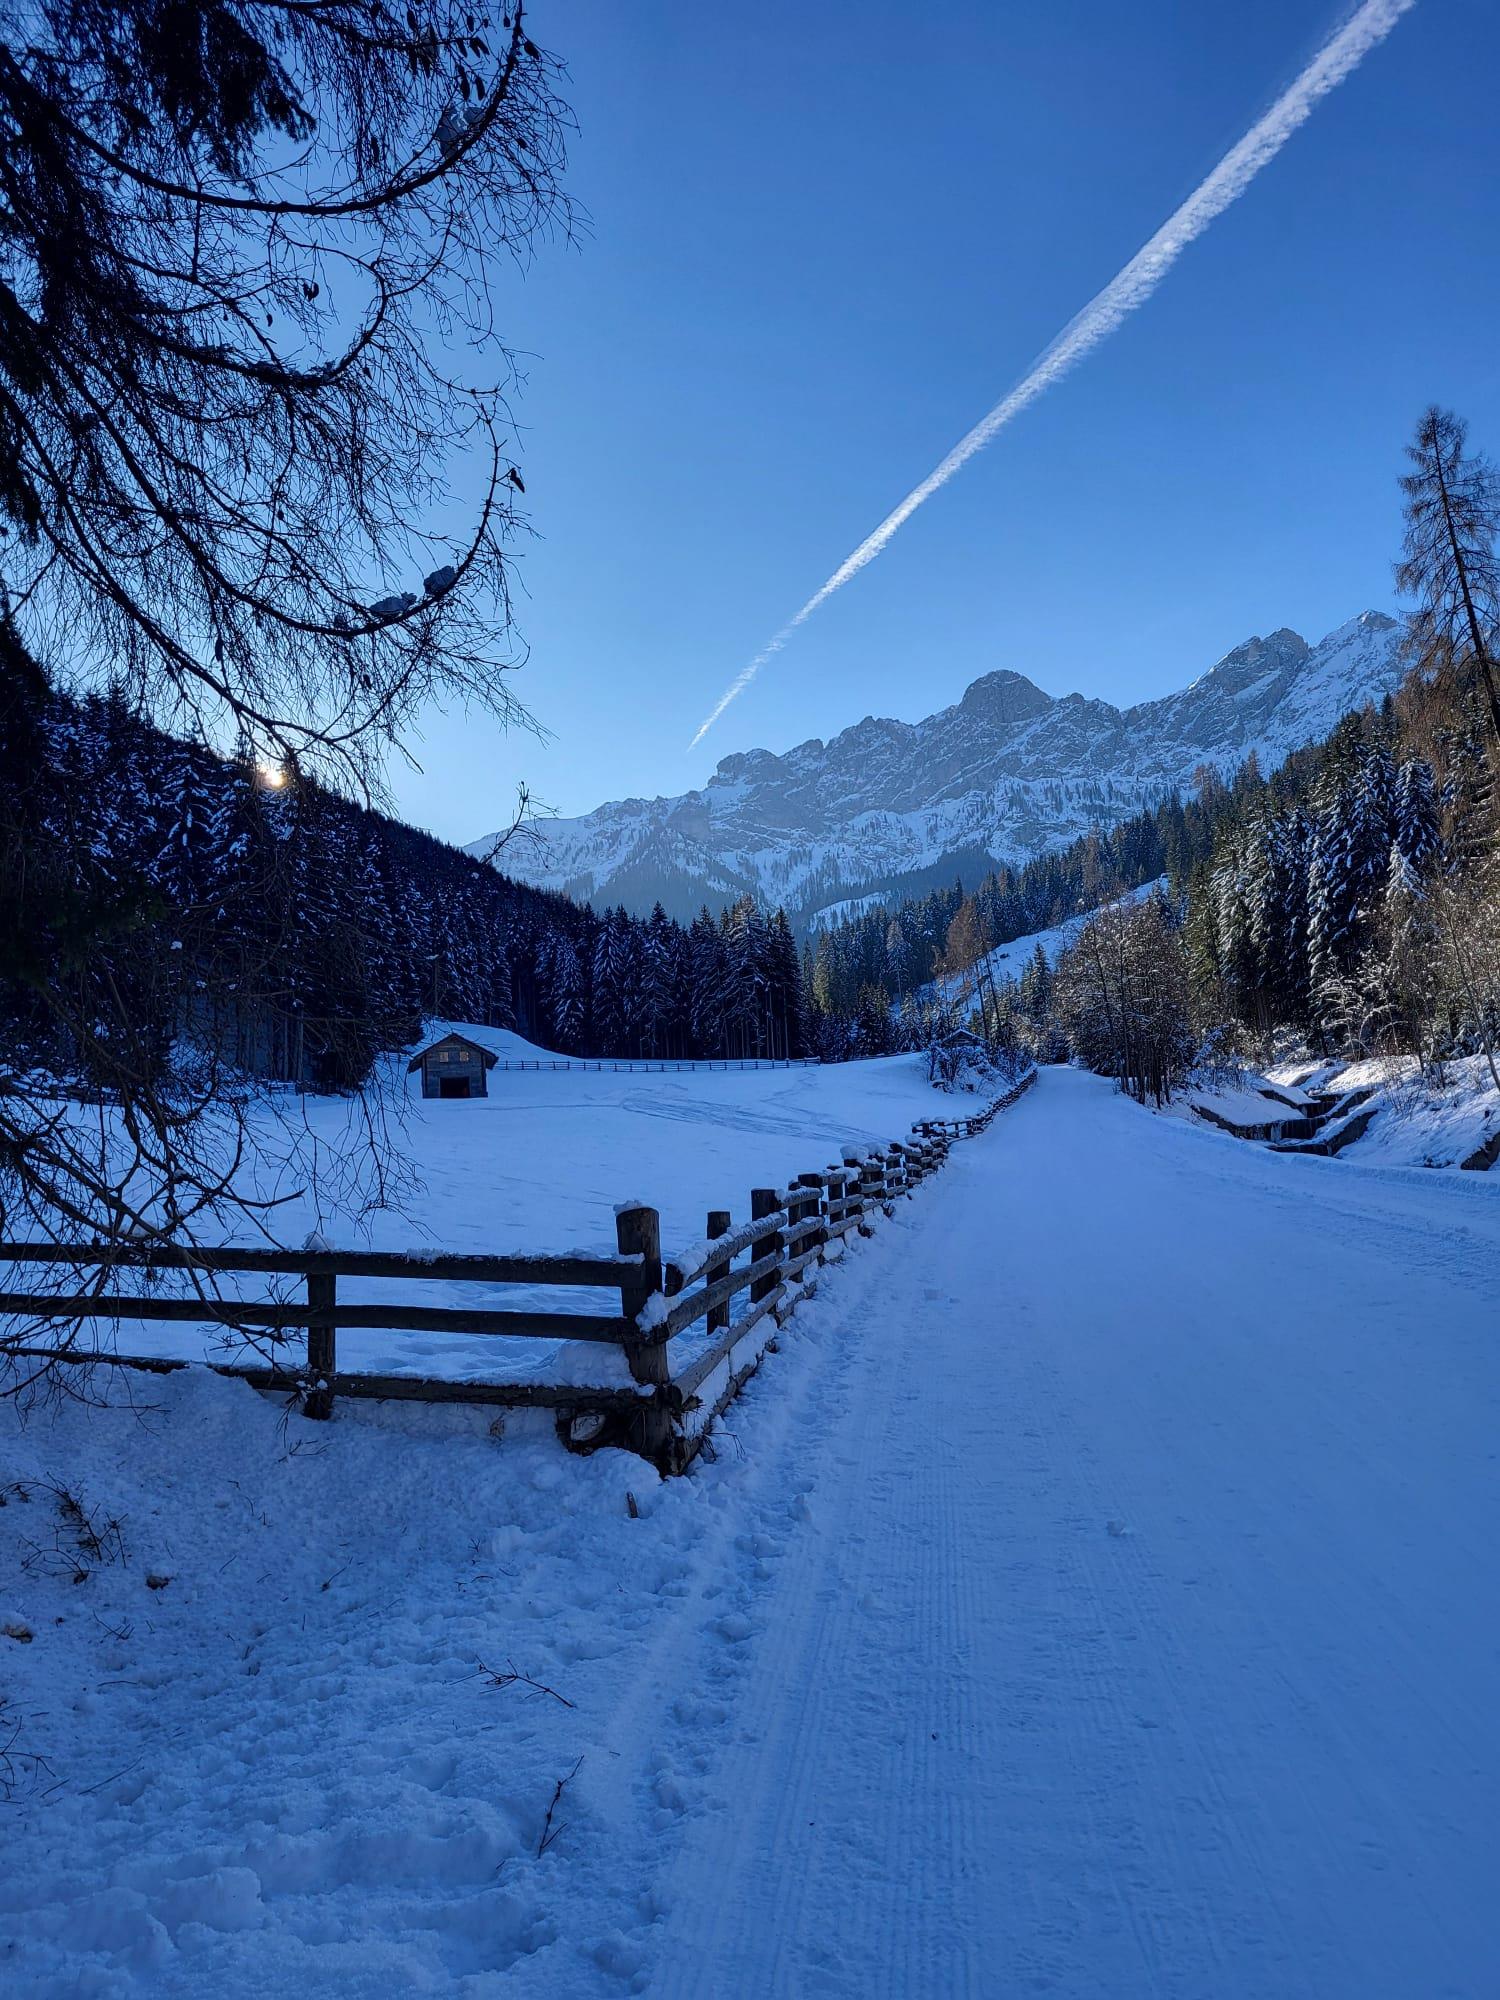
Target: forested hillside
[[886, 956], [1350, 904], [303, 933], [298, 933]]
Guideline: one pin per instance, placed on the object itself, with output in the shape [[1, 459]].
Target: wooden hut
[[962, 1041], [453, 1067], [959, 1049]]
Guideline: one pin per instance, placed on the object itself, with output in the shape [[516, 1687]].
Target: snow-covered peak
[[1248, 665], [1004, 698]]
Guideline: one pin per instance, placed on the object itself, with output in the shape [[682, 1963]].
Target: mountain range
[[888, 807]]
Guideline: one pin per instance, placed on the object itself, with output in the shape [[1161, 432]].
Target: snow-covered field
[[543, 1161], [1094, 1596], [541, 1165]]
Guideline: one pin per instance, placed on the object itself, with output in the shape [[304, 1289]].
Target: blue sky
[[822, 242]]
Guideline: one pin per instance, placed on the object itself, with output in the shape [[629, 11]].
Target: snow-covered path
[[1142, 1636], [1095, 1596]]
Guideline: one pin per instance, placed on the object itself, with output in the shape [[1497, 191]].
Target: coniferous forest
[[300, 933], [1350, 905]]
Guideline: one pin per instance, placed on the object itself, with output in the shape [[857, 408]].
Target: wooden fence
[[692, 1298]]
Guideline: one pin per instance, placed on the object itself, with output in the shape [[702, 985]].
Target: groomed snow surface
[[1094, 1596]]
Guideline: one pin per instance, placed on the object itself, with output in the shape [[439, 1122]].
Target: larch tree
[[1450, 560]]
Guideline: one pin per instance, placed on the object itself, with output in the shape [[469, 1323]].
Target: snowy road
[[1096, 1597], [1142, 1637]]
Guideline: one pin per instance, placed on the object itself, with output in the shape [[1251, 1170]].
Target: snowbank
[[250, 1767], [1420, 1121], [270, 1742], [1253, 1105]]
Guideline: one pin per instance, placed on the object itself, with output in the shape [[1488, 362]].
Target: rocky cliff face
[[1006, 773]]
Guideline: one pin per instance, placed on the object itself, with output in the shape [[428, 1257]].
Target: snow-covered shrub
[[1220, 1061], [962, 1062]]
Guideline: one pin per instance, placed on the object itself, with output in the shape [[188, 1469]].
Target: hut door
[[453, 1086]]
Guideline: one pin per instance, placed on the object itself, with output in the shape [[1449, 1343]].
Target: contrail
[[1364, 30]]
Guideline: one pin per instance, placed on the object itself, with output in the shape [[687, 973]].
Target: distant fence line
[[791, 1232], [660, 1066], [83, 1093]]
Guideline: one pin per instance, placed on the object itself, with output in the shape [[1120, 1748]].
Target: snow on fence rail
[[662, 1414]]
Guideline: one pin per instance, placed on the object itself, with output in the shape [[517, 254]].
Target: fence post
[[813, 1210], [718, 1225], [638, 1233], [810, 1209], [322, 1355], [867, 1188], [854, 1186], [764, 1202], [837, 1207]]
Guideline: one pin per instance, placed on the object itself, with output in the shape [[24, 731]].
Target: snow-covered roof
[[451, 1040]]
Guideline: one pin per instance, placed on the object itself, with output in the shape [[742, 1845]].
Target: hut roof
[[487, 1056]]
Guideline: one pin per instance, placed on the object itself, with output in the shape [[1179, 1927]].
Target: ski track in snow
[[1093, 1597]]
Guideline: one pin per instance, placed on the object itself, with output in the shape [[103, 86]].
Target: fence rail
[[663, 1413]]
